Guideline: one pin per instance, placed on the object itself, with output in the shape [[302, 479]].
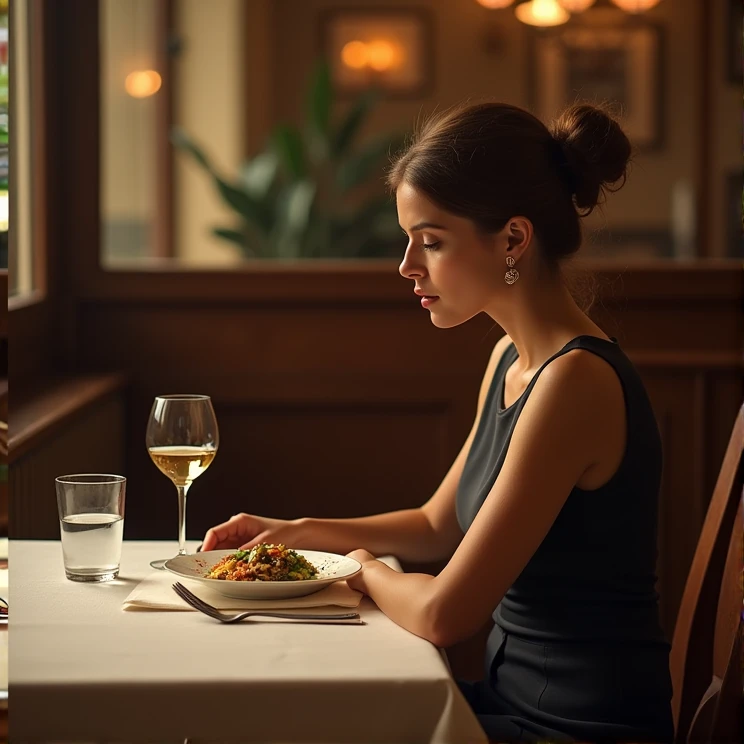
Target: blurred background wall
[[241, 68]]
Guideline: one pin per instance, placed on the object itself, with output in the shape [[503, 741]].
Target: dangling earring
[[512, 275]]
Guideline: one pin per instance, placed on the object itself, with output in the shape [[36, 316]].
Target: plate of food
[[265, 571]]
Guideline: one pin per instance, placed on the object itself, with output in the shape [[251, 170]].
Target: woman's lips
[[426, 301]]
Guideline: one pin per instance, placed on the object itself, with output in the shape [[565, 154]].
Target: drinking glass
[[91, 524], [182, 439]]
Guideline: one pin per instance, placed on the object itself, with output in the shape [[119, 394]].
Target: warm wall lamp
[[142, 83]]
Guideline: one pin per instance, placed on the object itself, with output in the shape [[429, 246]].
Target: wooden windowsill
[[52, 404]]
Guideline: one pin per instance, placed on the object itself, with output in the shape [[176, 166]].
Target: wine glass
[[182, 439]]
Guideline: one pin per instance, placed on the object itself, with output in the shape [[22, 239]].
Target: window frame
[[37, 294], [33, 316]]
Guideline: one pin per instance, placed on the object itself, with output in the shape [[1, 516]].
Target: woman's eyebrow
[[425, 226]]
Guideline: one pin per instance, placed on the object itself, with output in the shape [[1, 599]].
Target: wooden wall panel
[[289, 461], [93, 442], [366, 407]]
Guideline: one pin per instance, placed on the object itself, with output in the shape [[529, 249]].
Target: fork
[[200, 605]]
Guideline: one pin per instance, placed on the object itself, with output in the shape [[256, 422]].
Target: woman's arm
[[558, 436]]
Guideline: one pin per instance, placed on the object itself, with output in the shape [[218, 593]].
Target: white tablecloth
[[4, 628], [82, 669]]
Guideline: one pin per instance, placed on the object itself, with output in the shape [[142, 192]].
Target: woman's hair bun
[[596, 153]]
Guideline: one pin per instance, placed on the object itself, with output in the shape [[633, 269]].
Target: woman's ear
[[519, 234]]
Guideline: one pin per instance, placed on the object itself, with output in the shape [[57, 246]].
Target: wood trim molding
[[163, 221], [321, 281], [36, 418], [39, 105]]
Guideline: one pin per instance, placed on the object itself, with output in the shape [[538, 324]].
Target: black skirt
[[573, 692]]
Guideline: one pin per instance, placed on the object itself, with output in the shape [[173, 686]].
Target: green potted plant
[[306, 194]]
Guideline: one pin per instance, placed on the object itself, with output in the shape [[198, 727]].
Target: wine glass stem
[[182, 491]]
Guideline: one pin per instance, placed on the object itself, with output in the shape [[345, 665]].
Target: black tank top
[[593, 576]]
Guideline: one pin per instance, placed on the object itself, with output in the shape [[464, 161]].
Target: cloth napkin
[[156, 593]]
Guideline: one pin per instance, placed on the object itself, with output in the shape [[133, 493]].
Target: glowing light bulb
[[636, 6], [576, 6], [355, 55], [382, 55], [541, 13], [142, 83], [495, 4]]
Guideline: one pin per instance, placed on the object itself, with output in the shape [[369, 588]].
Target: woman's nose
[[408, 268]]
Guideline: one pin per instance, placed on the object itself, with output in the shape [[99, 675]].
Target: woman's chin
[[445, 320]]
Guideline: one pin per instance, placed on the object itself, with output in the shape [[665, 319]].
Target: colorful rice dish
[[264, 562]]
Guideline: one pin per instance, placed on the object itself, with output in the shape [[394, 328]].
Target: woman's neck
[[541, 319]]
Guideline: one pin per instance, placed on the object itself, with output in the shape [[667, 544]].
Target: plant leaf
[[248, 241], [352, 123], [182, 141], [288, 145], [293, 218], [320, 98], [250, 209], [228, 234], [245, 205], [258, 174]]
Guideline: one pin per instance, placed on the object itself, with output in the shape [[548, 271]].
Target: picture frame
[[620, 65], [387, 48], [735, 42]]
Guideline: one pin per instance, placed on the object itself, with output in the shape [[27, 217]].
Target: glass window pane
[[129, 88]]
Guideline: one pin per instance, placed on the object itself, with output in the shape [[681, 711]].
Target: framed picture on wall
[[390, 49], [619, 65]]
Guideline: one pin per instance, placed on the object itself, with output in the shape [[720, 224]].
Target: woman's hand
[[246, 530], [367, 560]]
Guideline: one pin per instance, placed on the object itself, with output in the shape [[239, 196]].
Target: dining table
[[84, 668]]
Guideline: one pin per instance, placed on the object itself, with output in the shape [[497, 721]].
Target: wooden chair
[[706, 648]]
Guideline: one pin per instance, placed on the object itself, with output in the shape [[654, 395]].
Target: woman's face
[[456, 270]]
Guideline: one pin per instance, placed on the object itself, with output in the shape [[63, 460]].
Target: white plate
[[331, 567]]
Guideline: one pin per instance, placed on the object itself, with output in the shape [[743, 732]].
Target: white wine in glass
[[182, 439]]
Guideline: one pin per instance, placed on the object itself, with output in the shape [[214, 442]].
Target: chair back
[[704, 660]]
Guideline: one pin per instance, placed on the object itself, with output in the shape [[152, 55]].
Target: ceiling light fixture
[[495, 4], [576, 6], [636, 6]]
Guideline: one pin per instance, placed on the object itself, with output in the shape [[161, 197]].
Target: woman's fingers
[[229, 534], [255, 541]]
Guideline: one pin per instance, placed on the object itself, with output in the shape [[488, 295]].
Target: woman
[[548, 515]]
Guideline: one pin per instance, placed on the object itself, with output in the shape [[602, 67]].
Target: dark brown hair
[[492, 161]]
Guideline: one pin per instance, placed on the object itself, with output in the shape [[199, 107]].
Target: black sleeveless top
[[593, 576]]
